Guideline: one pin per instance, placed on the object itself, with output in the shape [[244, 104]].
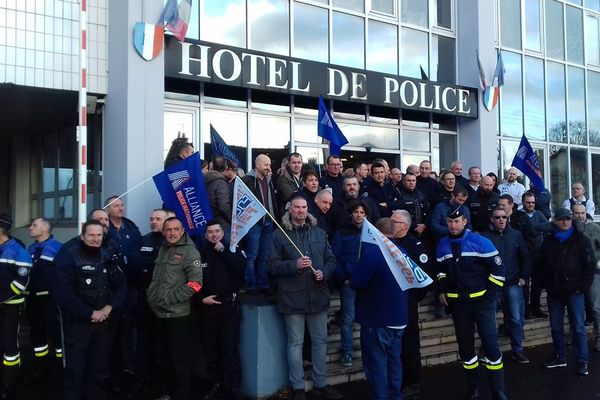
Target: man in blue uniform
[[41, 311], [15, 265], [470, 274]]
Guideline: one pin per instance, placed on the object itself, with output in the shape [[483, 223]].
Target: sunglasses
[[500, 217]]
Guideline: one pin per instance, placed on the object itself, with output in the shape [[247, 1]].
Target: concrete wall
[[133, 118]]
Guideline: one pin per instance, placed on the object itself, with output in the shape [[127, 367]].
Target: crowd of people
[[111, 305]]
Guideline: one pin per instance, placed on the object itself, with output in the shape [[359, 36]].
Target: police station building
[[400, 77]]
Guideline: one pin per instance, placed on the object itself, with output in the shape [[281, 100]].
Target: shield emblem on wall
[[148, 39]]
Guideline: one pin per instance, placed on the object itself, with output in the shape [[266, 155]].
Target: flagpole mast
[[82, 128]]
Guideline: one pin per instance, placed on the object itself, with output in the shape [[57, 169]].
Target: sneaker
[[346, 360], [520, 357], [298, 394], [328, 392], [555, 363], [582, 368]]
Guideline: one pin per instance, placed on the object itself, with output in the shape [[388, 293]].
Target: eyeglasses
[[500, 217]]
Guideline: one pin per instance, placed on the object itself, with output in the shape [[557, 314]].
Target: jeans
[[575, 305], [514, 315], [347, 297], [258, 241], [381, 349], [317, 327], [594, 295]]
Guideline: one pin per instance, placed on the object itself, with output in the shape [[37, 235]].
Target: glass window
[[593, 92], [415, 140], [376, 137], [558, 176], [269, 25], [413, 53], [593, 4], [415, 12], [224, 22], [576, 110], [354, 5], [311, 33], [555, 45], [348, 40], [304, 130], [535, 119], [579, 166], [66, 151], [177, 124], [443, 151], [555, 106], [595, 189], [592, 40], [443, 12], [232, 127], [313, 156], [275, 144], [193, 32], [509, 149], [510, 23], [511, 111], [382, 50], [533, 25], [574, 35], [443, 59], [383, 6]]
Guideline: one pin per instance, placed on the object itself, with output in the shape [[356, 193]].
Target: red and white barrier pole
[[82, 127]]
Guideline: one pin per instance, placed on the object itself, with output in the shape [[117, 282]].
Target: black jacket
[[335, 183], [480, 205], [254, 185], [146, 257], [341, 214], [417, 205], [568, 267], [219, 196], [384, 194], [513, 251]]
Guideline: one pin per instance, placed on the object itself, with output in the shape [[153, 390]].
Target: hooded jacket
[[298, 291], [219, 196]]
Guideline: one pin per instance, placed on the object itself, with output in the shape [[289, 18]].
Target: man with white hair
[[512, 187]]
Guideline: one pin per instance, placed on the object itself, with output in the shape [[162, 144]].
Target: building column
[[475, 32], [133, 117]]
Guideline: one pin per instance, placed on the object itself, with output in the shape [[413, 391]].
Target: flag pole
[[128, 190], [82, 127], [277, 223]]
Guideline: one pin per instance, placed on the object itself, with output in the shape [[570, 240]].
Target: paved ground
[[446, 382]]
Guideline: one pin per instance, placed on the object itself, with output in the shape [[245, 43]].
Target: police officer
[[413, 201], [470, 274], [15, 265], [88, 288], [41, 310]]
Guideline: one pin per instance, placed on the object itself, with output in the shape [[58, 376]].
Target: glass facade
[[551, 88]]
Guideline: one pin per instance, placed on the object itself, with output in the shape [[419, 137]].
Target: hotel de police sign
[[216, 63]]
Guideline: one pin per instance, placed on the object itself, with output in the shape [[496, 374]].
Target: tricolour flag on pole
[[247, 211], [177, 17], [328, 129], [406, 272], [182, 189], [491, 93], [526, 162], [220, 148]]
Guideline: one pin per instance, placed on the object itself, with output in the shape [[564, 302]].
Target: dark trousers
[[87, 347], [221, 336], [381, 349], [532, 292], [122, 352], [173, 345], [9, 330], [479, 313], [411, 344], [145, 352], [42, 316]]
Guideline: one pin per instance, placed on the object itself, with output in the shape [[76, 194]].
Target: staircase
[[438, 340]]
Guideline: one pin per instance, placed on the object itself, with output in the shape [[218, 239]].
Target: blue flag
[[526, 162], [181, 188], [328, 129], [220, 148]]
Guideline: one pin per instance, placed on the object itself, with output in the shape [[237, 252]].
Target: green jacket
[[169, 295]]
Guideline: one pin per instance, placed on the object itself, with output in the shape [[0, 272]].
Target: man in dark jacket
[[444, 190], [303, 295], [481, 203], [351, 194], [382, 192], [517, 265], [289, 181], [438, 224], [569, 267], [382, 311], [219, 192], [542, 200], [223, 277], [426, 184], [258, 238], [333, 178], [413, 201]]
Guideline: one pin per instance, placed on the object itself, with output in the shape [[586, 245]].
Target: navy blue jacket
[[15, 265], [129, 240], [513, 250], [469, 267], [335, 183], [379, 300], [345, 245], [42, 254], [438, 224], [384, 194]]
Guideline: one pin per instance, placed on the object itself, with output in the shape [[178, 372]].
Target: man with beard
[[512, 187], [352, 193]]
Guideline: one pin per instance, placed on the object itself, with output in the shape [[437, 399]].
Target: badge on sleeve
[[498, 260], [423, 258], [197, 263], [22, 271]]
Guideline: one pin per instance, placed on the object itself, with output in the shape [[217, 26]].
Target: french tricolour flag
[[177, 17], [148, 39]]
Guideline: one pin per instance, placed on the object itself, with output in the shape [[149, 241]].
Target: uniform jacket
[[513, 251], [415, 250], [146, 257], [298, 291], [254, 185], [86, 279], [15, 267], [480, 206], [428, 186], [169, 294], [42, 254], [219, 196], [129, 240], [568, 267], [417, 205], [469, 267]]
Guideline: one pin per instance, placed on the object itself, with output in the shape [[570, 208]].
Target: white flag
[[406, 272], [246, 211]]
